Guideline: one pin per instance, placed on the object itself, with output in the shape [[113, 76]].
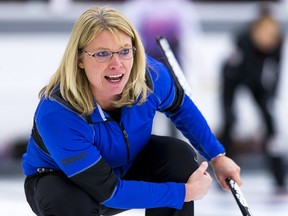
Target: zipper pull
[[125, 134]]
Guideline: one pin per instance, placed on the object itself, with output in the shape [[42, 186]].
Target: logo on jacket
[[73, 159]]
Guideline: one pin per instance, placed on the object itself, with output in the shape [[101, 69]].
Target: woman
[[255, 65], [91, 151]]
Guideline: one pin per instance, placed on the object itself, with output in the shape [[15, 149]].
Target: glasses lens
[[103, 56], [126, 53]]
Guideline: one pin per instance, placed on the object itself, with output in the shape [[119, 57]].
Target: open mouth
[[114, 78]]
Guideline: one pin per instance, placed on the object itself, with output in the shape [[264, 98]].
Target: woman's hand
[[198, 183], [223, 168]]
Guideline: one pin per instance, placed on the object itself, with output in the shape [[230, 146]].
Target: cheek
[[93, 76], [129, 67]]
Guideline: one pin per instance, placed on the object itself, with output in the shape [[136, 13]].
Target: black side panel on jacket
[[99, 181], [179, 95], [37, 139]]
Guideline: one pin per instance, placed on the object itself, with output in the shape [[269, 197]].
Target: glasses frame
[[111, 54]]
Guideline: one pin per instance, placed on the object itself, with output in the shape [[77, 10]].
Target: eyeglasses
[[105, 56]]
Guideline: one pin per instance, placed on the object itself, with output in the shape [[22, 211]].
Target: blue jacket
[[96, 151]]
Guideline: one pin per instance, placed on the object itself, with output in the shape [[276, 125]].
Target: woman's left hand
[[223, 168]]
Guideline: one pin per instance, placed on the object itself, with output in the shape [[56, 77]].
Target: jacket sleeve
[[184, 114], [104, 186], [189, 120]]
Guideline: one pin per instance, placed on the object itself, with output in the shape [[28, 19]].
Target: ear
[[80, 63]]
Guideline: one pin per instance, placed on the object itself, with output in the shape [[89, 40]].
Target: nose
[[115, 61]]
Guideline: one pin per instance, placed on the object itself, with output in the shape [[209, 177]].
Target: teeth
[[115, 76]]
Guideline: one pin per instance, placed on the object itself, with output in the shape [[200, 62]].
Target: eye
[[102, 54], [124, 52]]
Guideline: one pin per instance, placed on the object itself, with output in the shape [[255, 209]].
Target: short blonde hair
[[74, 85]]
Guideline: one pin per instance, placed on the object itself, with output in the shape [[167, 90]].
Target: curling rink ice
[[257, 189]]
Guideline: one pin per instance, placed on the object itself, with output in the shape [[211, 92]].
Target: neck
[[106, 103]]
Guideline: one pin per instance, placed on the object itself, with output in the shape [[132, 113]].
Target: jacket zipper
[[125, 136]]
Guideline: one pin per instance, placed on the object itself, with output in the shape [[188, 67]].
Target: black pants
[[262, 98], [164, 159]]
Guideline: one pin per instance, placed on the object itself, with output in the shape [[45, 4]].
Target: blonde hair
[[73, 83]]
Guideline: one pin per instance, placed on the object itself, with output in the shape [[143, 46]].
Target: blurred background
[[33, 36]]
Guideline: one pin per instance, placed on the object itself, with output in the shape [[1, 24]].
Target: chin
[[117, 92]]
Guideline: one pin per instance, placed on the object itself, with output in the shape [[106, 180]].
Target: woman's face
[[107, 79], [266, 36]]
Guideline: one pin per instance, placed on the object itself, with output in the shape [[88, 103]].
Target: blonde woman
[[91, 151]]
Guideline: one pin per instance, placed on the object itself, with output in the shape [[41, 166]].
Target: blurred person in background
[[173, 19], [91, 151], [255, 64]]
